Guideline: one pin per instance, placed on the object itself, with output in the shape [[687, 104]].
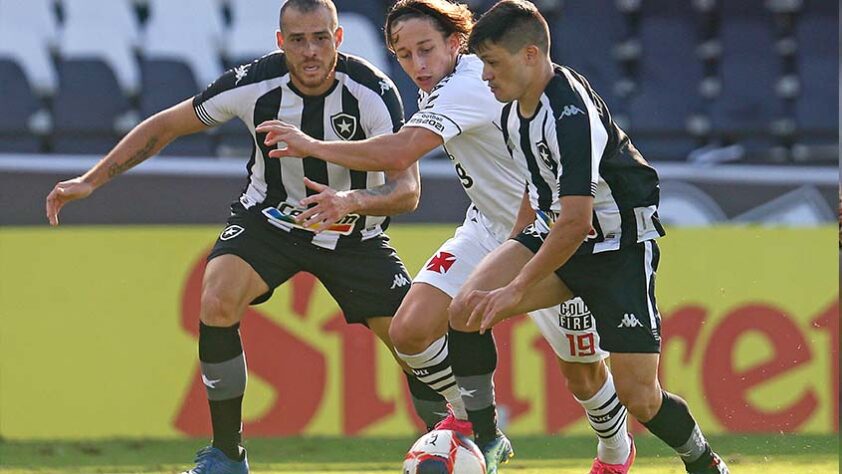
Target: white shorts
[[568, 328]]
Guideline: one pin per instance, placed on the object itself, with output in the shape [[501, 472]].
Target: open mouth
[[311, 68]]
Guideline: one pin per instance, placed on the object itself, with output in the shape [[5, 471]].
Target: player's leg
[[369, 282], [498, 269], [242, 268], [570, 331], [429, 404], [421, 336], [619, 288]]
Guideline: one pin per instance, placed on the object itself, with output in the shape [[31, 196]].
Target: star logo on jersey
[[240, 72], [230, 232], [441, 262], [544, 153], [344, 125]]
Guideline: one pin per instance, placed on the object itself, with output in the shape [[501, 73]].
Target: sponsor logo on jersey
[[400, 280], [569, 111], [284, 216], [630, 321], [427, 118], [574, 315], [344, 125], [230, 232], [441, 262], [544, 153]]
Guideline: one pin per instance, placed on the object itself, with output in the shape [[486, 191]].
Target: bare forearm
[[557, 249], [382, 153], [144, 141], [389, 199]]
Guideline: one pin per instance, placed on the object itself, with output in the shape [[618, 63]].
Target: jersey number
[[467, 181], [581, 344]]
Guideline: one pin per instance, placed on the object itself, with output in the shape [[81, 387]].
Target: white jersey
[[463, 111]]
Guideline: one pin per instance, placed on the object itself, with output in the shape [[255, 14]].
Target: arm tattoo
[[137, 158]]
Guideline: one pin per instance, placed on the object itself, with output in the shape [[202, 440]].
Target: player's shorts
[[569, 329], [367, 279], [619, 288]]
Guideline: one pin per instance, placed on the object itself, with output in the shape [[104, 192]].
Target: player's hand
[[64, 192], [330, 206], [291, 141], [491, 307]]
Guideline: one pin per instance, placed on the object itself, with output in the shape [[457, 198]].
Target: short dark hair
[[448, 17], [512, 24], [307, 6]]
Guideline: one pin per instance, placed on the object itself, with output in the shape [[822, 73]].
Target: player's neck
[[531, 97]]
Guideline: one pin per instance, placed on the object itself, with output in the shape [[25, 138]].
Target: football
[[444, 452]]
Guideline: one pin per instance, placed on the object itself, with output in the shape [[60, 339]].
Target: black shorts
[[619, 288], [367, 278]]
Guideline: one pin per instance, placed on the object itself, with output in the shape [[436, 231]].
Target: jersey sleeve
[[461, 104], [581, 140], [224, 98], [383, 111]]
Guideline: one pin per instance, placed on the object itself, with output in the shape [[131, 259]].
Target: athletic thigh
[[619, 288], [268, 252]]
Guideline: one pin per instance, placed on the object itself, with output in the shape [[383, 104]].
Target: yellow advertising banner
[[98, 337]]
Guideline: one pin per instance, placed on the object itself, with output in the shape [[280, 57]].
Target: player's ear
[[532, 53], [338, 36], [454, 42], [279, 38]]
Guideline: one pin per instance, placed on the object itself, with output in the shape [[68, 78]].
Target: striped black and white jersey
[[463, 111], [572, 147], [363, 102]]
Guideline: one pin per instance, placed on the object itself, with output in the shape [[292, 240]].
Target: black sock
[[226, 420], [474, 358], [430, 406], [224, 374], [674, 425]]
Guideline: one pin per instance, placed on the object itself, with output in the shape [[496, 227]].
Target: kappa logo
[[241, 72], [400, 280], [441, 262], [344, 125], [230, 232], [384, 86], [569, 111], [544, 153], [208, 382], [630, 321]]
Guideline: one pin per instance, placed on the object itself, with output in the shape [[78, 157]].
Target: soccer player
[[596, 201], [331, 96], [459, 113]]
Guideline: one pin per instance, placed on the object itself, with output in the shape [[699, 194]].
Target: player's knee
[[642, 400], [217, 310], [407, 337], [584, 379]]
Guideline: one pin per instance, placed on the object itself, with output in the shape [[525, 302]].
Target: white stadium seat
[[253, 26], [186, 30], [28, 30], [86, 35], [362, 39]]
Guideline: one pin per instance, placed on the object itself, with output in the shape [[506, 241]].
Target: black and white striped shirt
[[363, 102], [572, 147]]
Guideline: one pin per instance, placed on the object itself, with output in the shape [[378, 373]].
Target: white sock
[[608, 417], [432, 366]]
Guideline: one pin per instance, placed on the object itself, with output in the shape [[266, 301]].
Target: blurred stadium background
[[735, 102]]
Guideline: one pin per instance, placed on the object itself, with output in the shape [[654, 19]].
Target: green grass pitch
[[745, 454]]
